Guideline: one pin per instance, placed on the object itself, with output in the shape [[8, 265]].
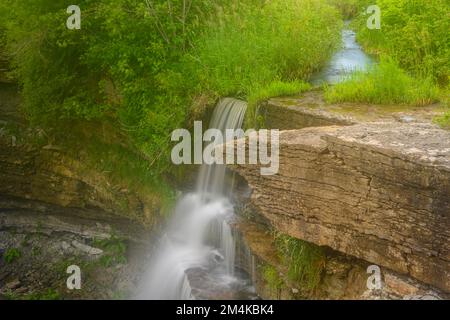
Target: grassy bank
[[385, 83]]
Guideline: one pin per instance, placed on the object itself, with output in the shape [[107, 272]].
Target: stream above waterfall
[[349, 59]]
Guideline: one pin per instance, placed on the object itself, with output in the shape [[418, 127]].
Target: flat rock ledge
[[376, 191]]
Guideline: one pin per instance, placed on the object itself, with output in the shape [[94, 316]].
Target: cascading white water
[[228, 246], [228, 114], [199, 235]]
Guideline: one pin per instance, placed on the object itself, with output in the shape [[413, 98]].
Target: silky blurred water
[[198, 247]]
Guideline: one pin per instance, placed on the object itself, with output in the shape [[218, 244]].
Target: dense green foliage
[[413, 32], [150, 66], [348, 8], [384, 83]]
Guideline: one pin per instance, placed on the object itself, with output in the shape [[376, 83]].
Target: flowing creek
[[349, 59], [196, 255]]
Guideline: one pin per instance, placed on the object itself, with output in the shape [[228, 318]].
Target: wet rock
[[407, 119], [204, 285], [400, 286], [21, 290], [428, 296], [65, 246], [86, 249], [13, 284], [4, 274]]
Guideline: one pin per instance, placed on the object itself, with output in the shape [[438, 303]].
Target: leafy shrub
[[348, 8], [142, 64], [385, 83]]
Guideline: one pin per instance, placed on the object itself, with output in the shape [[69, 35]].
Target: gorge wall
[[58, 208], [376, 191]]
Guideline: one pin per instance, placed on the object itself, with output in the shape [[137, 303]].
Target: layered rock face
[[49, 173], [377, 191], [57, 209]]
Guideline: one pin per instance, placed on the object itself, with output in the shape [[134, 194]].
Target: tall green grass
[[385, 83], [252, 52], [305, 261]]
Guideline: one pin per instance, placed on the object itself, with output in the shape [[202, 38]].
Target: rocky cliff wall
[[379, 192], [35, 167]]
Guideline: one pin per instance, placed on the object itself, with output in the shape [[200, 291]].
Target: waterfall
[[198, 236], [228, 114], [228, 246]]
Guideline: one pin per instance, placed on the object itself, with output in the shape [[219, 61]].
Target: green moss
[[272, 277], [114, 251], [124, 166], [11, 255], [88, 266], [36, 251], [119, 295], [444, 120], [102, 148], [49, 294]]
